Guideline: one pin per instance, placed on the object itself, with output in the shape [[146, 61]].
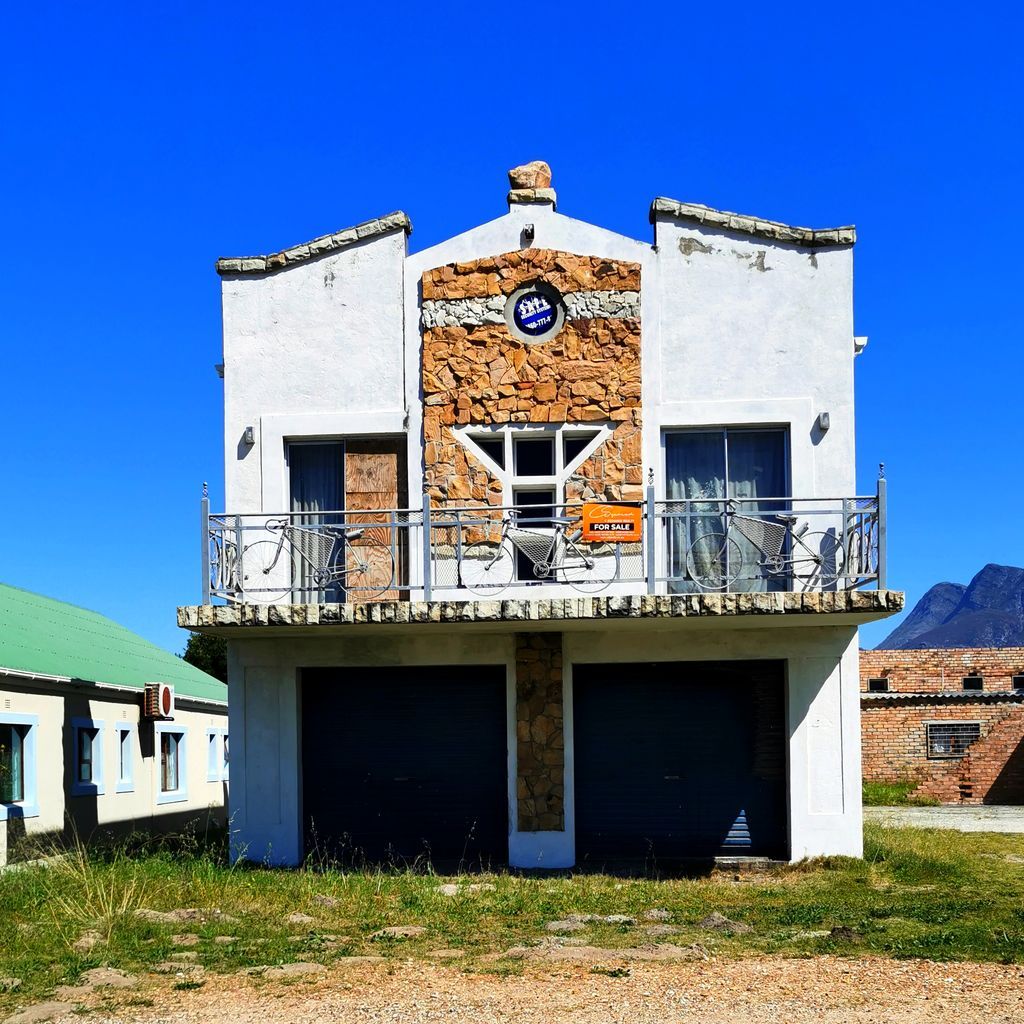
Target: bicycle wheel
[[714, 561], [488, 572], [817, 561], [260, 581], [585, 572], [369, 571]]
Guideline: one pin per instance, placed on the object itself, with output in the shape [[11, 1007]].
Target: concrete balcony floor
[[844, 607]]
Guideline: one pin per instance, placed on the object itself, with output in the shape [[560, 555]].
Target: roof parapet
[[317, 247], [774, 230]]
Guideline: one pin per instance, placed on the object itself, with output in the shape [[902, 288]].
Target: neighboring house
[[410, 678], [949, 719], [77, 747]]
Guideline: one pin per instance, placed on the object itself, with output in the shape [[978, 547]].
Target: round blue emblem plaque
[[535, 312]]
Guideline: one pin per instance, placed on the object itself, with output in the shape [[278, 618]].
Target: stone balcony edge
[[675, 606]]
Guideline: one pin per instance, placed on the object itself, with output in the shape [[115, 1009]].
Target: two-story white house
[[542, 546]]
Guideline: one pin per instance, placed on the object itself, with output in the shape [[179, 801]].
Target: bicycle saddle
[[790, 520], [562, 520]]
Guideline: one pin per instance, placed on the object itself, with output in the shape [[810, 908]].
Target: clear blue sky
[[136, 147]]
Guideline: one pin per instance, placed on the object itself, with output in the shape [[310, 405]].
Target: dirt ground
[[754, 991]]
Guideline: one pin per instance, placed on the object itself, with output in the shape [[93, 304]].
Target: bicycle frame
[[558, 547]]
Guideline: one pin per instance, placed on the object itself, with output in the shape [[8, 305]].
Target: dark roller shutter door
[[405, 764], [679, 760]]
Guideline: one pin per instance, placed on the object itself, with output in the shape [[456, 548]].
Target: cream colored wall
[[56, 705]]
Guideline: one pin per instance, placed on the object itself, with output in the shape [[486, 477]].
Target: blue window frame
[[87, 757], [172, 766], [217, 755], [125, 757], [18, 792]]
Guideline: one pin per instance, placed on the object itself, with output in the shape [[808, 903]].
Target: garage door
[[679, 760], [401, 764]]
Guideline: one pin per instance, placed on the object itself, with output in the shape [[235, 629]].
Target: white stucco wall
[[823, 717], [55, 708], [759, 333], [321, 341]]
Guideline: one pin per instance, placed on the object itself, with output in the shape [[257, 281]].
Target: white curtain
[[709, 466]]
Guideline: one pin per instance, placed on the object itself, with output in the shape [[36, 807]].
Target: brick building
[[950, 719]]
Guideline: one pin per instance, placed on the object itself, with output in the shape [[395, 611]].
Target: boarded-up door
[[374, 491]]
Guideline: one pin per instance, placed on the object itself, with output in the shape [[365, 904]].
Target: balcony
[[504, 563]]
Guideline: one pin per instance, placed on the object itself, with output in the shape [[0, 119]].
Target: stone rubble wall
[[491, 310], [478, 373], [540, 746]]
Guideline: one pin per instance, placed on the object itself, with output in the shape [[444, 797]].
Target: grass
[[917, 893], [894, 794]]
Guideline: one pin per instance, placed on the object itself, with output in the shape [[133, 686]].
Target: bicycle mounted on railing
[[809, 560], [323, 557], [554, 556]]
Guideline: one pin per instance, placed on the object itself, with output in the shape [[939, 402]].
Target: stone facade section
[[502, 275], [540, 747], [480, 374], [491, 310], [568, 609]]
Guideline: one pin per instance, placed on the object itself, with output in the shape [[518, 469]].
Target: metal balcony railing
[[463, 553]]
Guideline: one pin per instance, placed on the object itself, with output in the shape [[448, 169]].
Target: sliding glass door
[[704, 468], [316, 476]]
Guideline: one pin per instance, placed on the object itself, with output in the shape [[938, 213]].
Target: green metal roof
[[42, 636]]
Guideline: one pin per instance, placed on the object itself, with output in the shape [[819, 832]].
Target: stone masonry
[[540, 785], [476, 372]]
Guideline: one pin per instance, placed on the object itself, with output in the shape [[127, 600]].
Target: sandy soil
[[824, 989]]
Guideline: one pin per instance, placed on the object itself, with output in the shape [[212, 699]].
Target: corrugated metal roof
[[946, 697], [42, 636]]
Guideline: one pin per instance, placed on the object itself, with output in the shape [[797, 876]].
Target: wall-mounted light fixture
[[529, 232], [249, 435], [823, 422]]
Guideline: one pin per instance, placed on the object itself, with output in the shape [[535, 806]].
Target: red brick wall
[[893, 735], [934, 670], [894, 746]]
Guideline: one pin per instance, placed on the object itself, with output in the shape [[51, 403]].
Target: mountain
[[988, 612]]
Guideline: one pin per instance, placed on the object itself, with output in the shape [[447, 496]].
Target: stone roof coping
[[532, 195], [774, 230], [676, 606], [317, 247]]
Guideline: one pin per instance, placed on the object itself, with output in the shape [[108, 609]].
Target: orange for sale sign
[[617, 524]]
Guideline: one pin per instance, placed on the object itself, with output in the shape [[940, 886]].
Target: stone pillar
[[540, 786]]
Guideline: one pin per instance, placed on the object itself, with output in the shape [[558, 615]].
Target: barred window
[[951, 739]]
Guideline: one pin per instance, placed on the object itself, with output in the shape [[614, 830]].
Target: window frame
[[724, 431], [217, 767], [952, 756], [171, 796], [980, 688], [873, 688], [1017, 682], [28, 805], [598, 432], [125, 783], [96, 785]]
